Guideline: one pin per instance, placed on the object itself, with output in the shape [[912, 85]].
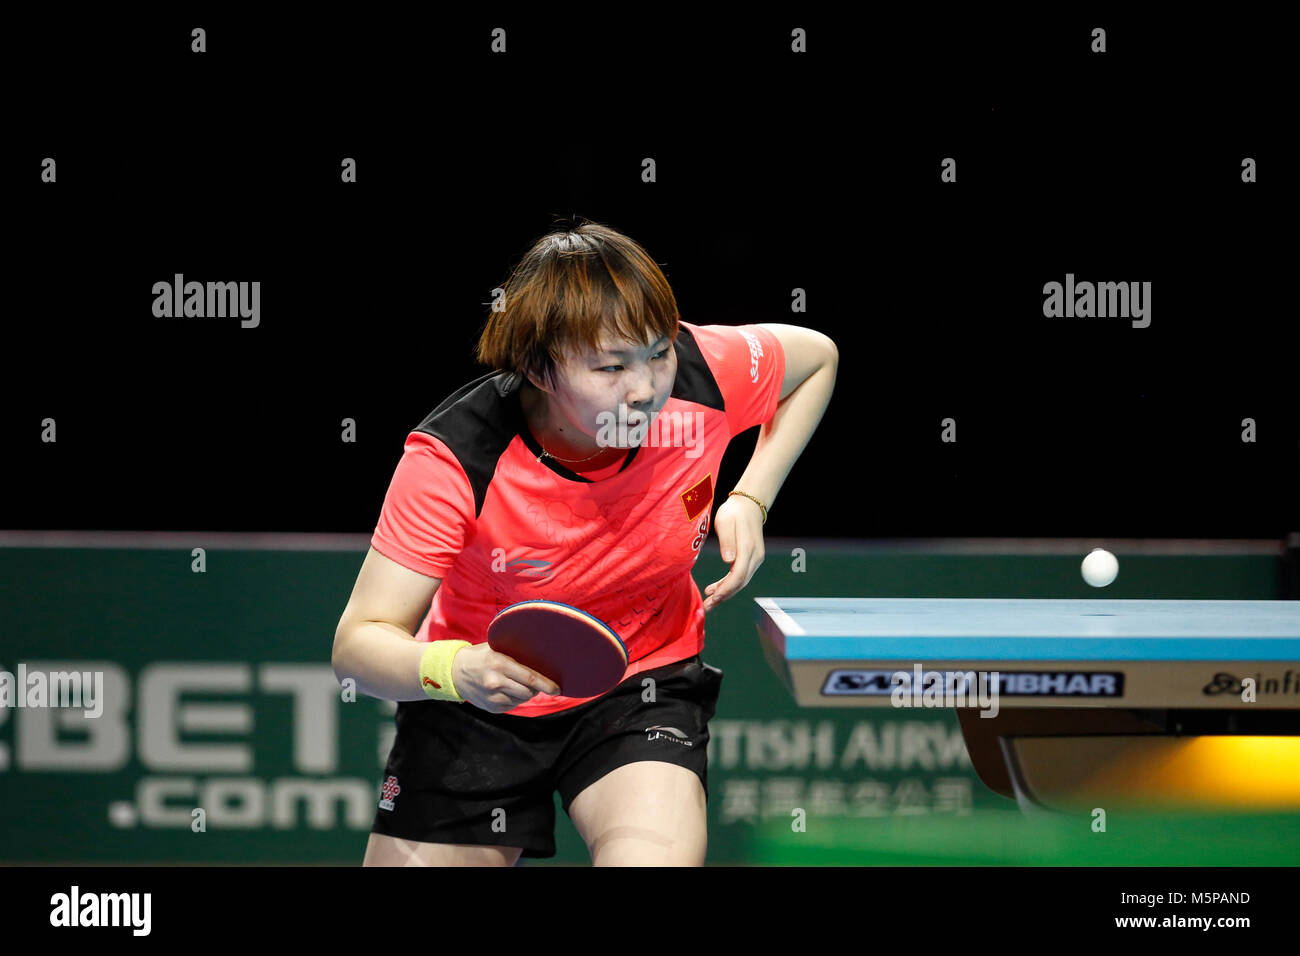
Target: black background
[[775, 171]]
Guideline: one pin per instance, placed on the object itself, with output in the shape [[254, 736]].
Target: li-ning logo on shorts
[[755, 353], [390, 789], [658, 732]]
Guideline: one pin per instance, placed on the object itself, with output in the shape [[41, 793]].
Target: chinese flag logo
[[699, 497]]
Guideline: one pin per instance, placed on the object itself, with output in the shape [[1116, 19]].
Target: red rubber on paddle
[[579, 652]]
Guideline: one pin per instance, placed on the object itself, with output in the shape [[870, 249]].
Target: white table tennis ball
[[1100, 567]]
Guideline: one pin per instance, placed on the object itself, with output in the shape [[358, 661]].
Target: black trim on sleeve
[[695, 381], [479, 420], [473, 424]]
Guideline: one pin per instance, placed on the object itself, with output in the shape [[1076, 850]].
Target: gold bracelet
[[435, 669], [753, 499]]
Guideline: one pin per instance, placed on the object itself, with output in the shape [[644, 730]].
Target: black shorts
[[458, 773]]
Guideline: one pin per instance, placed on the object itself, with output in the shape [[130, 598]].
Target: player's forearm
[[383, 659], [782, 440]]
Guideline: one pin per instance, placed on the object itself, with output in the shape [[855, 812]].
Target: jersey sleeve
[[749, 365], [428, 512]]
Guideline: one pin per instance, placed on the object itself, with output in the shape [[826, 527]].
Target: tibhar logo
[[755, 353], [918, 689], [1102, 300], [197, 300], [664, 429], [658, 732], [102, 909], [73, 689]]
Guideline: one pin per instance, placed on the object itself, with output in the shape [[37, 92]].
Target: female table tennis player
[[513, 488]]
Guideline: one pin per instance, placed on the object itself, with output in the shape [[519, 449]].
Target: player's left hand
[[739, 524]]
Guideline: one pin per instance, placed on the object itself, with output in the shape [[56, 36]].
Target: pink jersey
[[470, 504]]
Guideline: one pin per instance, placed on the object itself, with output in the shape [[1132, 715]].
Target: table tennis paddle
[[579, 652]]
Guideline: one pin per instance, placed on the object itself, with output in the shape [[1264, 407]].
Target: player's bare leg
[[382, 850], [647, 813]]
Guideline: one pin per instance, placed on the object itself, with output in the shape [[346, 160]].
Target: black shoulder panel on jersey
[[695, 381], [477, 422]]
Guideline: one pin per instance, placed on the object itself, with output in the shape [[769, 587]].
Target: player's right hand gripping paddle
[[579, 652]]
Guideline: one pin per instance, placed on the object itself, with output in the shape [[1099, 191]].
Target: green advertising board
[[217, 695]]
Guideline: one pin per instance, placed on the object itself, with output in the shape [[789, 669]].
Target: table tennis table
[[1095, 702]]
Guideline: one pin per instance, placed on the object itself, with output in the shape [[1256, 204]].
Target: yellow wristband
[[435, 669]]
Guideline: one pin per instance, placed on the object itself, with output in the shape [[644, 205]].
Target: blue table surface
[[979, 629]]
